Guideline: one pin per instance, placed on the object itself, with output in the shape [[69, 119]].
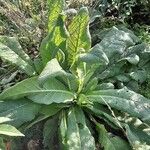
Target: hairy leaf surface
[[124, 100], [55, 8], [95, 56], [52, 91], [77, 135], [79, 34], [53, 69], [19, 111], [57, 32]]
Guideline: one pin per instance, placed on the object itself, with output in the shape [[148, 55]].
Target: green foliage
[[108, 142], [85, 92], [79, 35], [123, 10], [11, 51], [7, 130]]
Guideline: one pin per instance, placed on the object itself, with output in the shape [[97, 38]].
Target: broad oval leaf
[[116, 42], [53, 69], [124, 100], [95, 56]]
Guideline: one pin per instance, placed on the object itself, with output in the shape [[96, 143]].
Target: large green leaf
[[19, 111], [116, 42], [54, 41], [124, 100], [103, 113], [9, 55], [110, 143], [52, 91], [95, 56], [79, 34], [86, 138], [128, 58], [77, 136], [6, 129], [53, 69], [57, 32], [55, 8]]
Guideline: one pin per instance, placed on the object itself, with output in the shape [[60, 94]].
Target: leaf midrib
[[41, 91]]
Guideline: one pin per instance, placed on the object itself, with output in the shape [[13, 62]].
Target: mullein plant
[[85, 94]]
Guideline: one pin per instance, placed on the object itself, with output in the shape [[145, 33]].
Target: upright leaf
[[57, 32], [77, 136], [55, 8], [53, 69], [79, 34], [54, 41]]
